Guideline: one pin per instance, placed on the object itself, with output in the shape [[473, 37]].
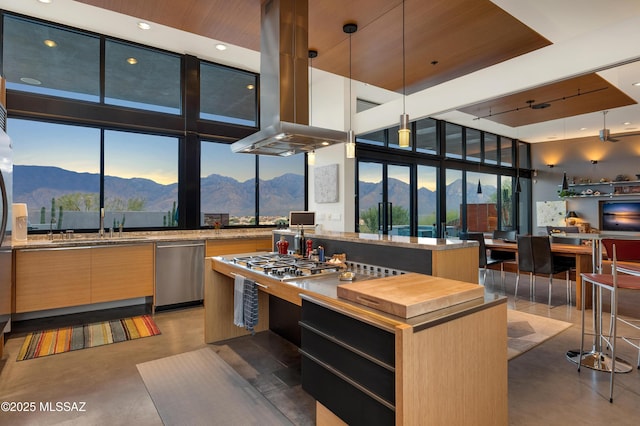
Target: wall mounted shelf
[[605, 189]]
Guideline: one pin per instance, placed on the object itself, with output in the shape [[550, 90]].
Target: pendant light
[[351, 138], [311, 155], [404, 134], [565, 184], [479, 190]]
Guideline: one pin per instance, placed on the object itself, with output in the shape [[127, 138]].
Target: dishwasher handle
[[179, 245]]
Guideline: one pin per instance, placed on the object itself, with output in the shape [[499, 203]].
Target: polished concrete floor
[[544, 388]]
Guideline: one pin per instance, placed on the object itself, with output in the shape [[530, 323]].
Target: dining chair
[[525, 263], [535, 257], [546, 263], [483, 259], [613, 282], [503, 256]]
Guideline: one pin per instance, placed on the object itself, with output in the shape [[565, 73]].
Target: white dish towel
[[238, 301]]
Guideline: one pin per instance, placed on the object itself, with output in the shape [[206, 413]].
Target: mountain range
[[37, 185]]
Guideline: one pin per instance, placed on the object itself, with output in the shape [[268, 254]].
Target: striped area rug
[[51, 342]]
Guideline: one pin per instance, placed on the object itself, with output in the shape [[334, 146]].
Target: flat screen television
[[302, 218], [620, 216]]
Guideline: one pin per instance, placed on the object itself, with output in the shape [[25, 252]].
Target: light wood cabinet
[[122, 272], [52, 278], [73, 276], [236, 246]]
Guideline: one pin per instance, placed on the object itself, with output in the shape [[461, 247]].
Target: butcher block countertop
[[410, 295]]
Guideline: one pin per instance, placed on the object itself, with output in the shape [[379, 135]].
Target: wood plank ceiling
[[444, 39]]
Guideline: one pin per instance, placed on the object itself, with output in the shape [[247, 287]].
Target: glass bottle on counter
[[298, 242]]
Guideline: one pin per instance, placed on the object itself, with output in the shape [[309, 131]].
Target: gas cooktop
[[288, 267]]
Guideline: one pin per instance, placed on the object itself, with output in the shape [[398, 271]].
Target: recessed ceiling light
[[132, 61], [583, 128], [45, 1], [552, 137], [637, 83], [30, 80], [221, 46], [250, 86], [324, 143], [626, 123], [143, 26], [50, 43]]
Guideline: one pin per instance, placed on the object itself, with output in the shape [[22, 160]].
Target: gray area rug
[[525, 331], [199, 388]]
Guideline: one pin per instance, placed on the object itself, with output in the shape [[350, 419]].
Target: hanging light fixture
[[351, 137], [311, 155], [404, 134], [565, 184], [479, 190]]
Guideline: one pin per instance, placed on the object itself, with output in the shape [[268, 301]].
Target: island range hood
[[284, 85]]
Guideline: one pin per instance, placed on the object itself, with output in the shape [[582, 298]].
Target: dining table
[[583, 255]]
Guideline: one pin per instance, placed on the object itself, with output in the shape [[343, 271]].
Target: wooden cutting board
[[410, 294]]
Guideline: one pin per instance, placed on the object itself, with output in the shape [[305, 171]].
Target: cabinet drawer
[[358, 367], [373, 341], [351, 404]]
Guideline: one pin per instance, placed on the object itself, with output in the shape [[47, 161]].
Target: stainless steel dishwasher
[[179, 273]]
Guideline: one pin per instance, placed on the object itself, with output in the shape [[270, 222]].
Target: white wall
[[329, 96]]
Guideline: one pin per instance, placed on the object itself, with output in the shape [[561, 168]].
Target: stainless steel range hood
[[284, 85]]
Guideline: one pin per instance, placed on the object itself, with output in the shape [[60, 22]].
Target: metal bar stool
[[596, 359]]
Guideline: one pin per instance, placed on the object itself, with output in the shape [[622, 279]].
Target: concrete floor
[[544, 388]]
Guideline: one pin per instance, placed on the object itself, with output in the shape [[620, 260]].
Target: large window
[[56, 173], [490, 148], [228, 95], [130, 162], [373, 138], [453, 221], [427, 201], [482, 208], [227, 185], [140, 180], [506, 203], [427, 136], [43, 59], [281, 187], [473, 145], [453, 140], [141, 78]]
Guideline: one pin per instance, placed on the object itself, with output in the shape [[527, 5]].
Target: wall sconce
[[594, 161], [551, 166]]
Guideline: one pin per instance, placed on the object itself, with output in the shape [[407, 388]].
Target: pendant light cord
[[404, 78], [350, 84]]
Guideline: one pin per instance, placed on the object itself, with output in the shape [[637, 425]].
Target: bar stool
[[597, 359]]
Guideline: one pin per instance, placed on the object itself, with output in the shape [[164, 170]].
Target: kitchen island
[[454, 259], [366, 366]]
